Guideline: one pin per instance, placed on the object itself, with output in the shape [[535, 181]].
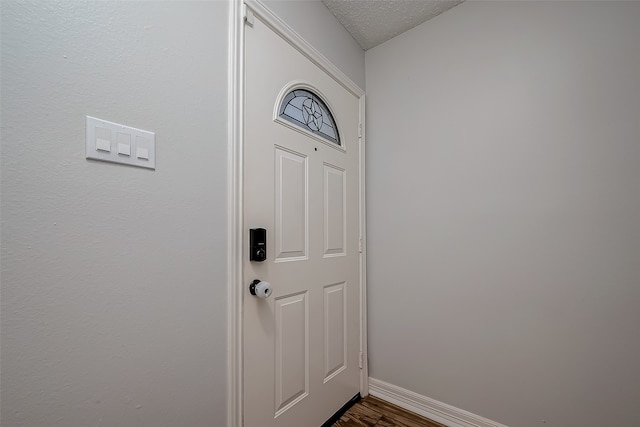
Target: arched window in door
[[306, 110]]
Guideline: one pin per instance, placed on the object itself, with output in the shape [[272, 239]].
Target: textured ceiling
[[372, 22]]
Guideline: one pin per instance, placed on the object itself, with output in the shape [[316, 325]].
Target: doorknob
[[260, 289]]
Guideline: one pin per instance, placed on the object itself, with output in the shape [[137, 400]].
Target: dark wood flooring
[[372, 411]]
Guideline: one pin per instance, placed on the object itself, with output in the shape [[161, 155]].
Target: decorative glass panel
[[305, 109]]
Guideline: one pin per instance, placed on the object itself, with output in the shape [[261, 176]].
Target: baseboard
[[430, 408]]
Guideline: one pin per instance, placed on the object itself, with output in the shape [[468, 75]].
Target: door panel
[[335, 330], [334, 211], [301, 345], [291, 232], [292, 351]]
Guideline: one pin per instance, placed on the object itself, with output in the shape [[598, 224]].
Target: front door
[[301, 184]]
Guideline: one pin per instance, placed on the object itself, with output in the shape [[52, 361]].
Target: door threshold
[[331, 421]]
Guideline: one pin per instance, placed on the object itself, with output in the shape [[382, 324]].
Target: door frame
[[241, 11]]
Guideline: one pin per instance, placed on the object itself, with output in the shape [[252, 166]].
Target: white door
[[302, 344]]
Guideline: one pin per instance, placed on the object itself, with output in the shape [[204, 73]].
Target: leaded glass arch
[[306, 110]]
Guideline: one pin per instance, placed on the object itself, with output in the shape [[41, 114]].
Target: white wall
[[504, 208], [317, 25], [113, 277]]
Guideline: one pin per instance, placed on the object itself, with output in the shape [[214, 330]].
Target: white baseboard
[[430, 408]]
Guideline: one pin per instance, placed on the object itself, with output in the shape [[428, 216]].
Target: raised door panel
[[292, 351], [334, 211], [291, 202], [335, 330]]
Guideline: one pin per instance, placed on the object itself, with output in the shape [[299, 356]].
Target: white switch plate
[[102, 134]]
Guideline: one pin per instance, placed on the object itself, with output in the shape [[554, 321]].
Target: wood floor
[[372, 411]]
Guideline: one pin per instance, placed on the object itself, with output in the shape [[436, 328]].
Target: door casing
[[239, 13]]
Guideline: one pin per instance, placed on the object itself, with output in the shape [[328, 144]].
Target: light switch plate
[[102, 135]]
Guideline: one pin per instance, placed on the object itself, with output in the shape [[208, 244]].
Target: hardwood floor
[[372, 411]]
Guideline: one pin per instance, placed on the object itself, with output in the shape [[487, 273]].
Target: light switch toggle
[[103, 139], [103, 145], [124, 144], [143, 153]]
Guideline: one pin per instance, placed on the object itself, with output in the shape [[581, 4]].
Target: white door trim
[[234, 214], [238, 9]]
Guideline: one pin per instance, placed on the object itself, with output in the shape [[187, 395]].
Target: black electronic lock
[[257, 244]]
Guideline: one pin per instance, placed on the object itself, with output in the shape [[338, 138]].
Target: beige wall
[[504, 208], [113, 277]]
